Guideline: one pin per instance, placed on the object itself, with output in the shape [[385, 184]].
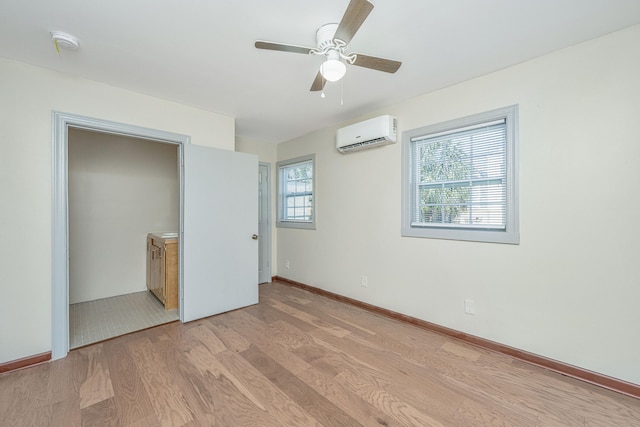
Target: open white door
[[220, 217]]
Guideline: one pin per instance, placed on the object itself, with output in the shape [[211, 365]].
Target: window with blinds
[[295, 193], [461, 179]]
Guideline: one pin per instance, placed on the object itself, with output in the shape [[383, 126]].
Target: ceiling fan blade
[[260, 44], [318, 83], [354, 16], [375, 63]]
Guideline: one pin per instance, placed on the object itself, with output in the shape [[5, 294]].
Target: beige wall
[[267, 153], [120, 189], [29, 94], [570, 290]]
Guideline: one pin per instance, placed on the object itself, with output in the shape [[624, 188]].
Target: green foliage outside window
[[443, 199]]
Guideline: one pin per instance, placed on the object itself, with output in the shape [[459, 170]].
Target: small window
[[460, 179], [296, 205]]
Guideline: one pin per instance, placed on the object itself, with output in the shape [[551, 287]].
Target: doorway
[[218, 253], [62, 122], [120, 189]]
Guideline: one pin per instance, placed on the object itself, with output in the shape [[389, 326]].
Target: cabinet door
[[155, 270], [170, 274]]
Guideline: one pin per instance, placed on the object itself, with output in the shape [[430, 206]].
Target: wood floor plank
[[204, 393], [278, 404], [65, 413], [235, 410], [306, 317], [460, 350], [257, 332], [66, 377], [287, 335], [166, 398], [101, 413], [502, 385], [205, 361], [60, 385], [149, 421], [449, 371], [343, 311], [97, 385], [384, 368], [402, 387], [22, 392], [597, 405], [319, 358], [130, 396], [300, 359], [281, 293], [472, 413], [231, 338], [217, 397], [35, 416], [14, 388], [180, 334], [269, 314], [313, 402], [386, 402], [406, 383], [333, 319], [201, 390], [208, 338], [346, 400]]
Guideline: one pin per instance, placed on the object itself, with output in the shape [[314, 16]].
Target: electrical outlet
[[363, 281], [286, 264], [469, 306]]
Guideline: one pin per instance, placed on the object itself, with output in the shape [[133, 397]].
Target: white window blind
[[459, 178]]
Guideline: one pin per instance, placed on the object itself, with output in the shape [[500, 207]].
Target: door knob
[[254, 237]]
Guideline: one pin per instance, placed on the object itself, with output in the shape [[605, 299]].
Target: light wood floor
[[299, 359]]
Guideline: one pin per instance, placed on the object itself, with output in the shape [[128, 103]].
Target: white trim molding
[[61, 122]]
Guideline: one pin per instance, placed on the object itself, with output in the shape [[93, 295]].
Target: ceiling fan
[[332, 44]]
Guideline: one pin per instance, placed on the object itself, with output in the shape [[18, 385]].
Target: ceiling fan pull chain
[[342, 92]]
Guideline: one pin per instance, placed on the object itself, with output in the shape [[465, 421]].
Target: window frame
[[281, 209], [511, 233]]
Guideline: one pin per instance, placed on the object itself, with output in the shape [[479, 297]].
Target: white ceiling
[[201, 52]]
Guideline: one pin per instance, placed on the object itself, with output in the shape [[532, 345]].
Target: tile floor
[[94, 321]]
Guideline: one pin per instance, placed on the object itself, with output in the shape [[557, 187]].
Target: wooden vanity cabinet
[[162, 268]]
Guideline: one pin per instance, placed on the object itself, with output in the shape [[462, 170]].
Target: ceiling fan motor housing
[[325, 34]]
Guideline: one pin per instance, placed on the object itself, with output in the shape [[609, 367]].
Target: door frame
[[60, 215], [267, 235]]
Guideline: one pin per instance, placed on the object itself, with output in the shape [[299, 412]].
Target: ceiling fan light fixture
[[333, 70]]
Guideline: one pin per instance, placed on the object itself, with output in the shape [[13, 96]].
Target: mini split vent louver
[[368, 134]]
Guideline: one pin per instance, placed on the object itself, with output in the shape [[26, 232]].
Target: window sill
[[484, 236], [296, 224]]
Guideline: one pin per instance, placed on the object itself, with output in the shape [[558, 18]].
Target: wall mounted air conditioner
[[370, 133]]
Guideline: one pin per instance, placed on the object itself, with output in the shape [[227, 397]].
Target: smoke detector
[[64, 41]]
